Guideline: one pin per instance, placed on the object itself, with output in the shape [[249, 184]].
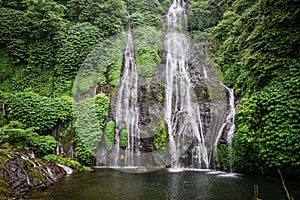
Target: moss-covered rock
[[4, 189], [20, 176]]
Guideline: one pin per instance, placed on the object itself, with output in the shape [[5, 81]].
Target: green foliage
[[109, 134], [44, 17], [259, 55], [6, 71], [101, 107], [16, 134], [224, 157], [69, 162], [148, 47], [115, 72], [144, 13], [205, 14], [160, 95], [123, 138], [142, 6], [2, 120], [268, 125], [13, 4], [75, 43], [34, 110], [139, 20], [90, 115], [50, 157], [29, 49], [161, 136], [44, 144], [85, 155], [13, 25], [27, 64], [102, 66], [37, 74], [257, 49], [108, 15]]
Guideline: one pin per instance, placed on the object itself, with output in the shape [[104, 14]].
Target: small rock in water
[[141, 169]]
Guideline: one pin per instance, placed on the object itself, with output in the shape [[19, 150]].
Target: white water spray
[[182, 113], [127, 108], [229, 120]]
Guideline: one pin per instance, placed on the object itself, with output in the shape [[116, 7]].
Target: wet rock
[[23, 176], [6, 146]]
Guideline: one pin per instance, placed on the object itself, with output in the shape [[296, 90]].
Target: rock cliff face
[[210, 98], [24, 174]]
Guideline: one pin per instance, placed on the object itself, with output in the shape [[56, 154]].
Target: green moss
[[90, 115], [237, 92], [161, 136], [66, 136], [69, 162], [148, 47], [6, 155], [224, 157], [46, 113], [45, 143], [204, 94], [201, 94], [38, 174], [109, 134], [4, 189], [160, 95], [123, 138], [115, 72]]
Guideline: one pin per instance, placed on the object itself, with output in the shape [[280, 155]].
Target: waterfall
[[205, 72], [194, 112], [3, 109], [229, 120], [127, 109], [50, 173], [67, 169], [182, 113], [231, 115]]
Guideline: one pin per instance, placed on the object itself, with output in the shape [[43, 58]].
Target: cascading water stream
[[127, 109], [3, 109], [205, 72], [182, 113], [229, 120], [67, 169], [231, 115], [194, 111]]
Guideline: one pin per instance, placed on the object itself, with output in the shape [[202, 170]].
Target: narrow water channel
[[111, 184]]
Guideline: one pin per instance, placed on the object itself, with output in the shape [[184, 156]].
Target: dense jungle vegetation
[[255, 44]]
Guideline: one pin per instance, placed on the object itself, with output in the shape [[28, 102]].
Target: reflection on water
[[114, 184]]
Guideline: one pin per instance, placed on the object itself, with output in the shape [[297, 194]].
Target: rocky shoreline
[[23, 173]]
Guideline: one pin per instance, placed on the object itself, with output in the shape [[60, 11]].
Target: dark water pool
[[109, 184]]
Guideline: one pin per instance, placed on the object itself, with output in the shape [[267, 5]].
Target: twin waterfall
[[195, 127]]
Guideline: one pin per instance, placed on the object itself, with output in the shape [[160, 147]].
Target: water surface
[[106, 184]]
